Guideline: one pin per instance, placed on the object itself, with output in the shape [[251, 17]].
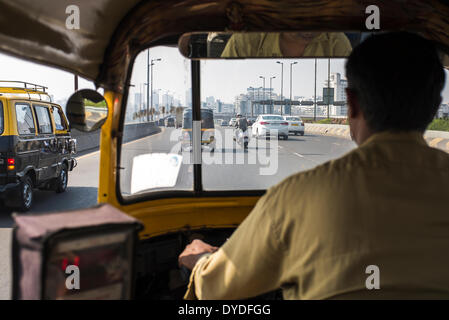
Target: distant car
[[224, 123], [161, 122], [270, 124], [295, 125], [233, 122], [170, 122], [251, 121]]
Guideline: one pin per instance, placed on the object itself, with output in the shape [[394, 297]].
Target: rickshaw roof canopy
[[113, 32]]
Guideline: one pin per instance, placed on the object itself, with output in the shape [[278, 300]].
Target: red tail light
[[264, 123], [284, 123], [11, 163]]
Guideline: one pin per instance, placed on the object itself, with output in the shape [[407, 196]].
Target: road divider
[[90, 141], [435, 139]]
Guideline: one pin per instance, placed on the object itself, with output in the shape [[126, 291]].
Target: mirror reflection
[[87, 110], [269, 44]]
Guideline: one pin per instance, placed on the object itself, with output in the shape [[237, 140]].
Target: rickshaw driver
[[384, 204]]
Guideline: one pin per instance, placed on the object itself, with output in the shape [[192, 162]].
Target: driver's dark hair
[[397, 78]]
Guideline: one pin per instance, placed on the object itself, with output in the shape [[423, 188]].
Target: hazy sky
[[60, 83], [223, 79]]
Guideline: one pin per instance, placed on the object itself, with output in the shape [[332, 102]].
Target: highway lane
[[299, 153], [232, 168], [81, 193]]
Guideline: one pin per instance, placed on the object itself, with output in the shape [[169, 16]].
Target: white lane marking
[[337, 144], [299, 155], [124, 144], [87, 155]]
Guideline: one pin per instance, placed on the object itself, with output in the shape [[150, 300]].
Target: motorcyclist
[[241, 123], [241, 126]]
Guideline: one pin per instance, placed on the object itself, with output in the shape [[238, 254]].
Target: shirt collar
[[403, 136]]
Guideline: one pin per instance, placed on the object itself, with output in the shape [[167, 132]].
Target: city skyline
[[235, 76]]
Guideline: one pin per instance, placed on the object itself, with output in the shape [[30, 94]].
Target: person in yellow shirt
[[287, 44], [372, 224]]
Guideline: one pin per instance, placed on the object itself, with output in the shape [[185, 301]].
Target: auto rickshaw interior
[[178, 195], [158, 275]]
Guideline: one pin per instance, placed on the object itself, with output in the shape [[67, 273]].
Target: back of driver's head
[[397, 78]]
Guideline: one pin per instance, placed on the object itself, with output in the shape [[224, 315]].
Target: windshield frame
[[198, 190]]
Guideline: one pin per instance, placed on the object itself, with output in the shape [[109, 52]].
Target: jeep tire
[[24, 198], [62, 180]]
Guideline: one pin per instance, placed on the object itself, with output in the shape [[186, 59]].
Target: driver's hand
[[193, 252]]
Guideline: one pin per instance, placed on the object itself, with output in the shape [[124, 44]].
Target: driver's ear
[[353, 103]]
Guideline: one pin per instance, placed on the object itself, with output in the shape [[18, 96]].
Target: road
[[298, 153]]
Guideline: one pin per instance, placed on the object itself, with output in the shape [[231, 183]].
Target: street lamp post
[[271, 97], [148, 85], [328, 84], [252, 100], [152, 64], [263, 92], [282, 83], [314, 110], [291, 65]]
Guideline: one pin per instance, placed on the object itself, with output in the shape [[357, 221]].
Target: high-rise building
[[219, 108], [228, 108], [339, 84]]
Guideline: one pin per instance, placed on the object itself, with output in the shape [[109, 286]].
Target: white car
[[295, 125], [270, 124], [232, 122]]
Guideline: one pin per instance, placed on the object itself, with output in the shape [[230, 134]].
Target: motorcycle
[[242, 138]]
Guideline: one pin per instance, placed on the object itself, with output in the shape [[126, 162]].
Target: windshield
[[311, 92]]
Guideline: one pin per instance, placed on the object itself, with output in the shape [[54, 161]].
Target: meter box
[[86, 254]]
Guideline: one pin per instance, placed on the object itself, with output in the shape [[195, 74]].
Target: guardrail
[[436, 139], [89, 141]]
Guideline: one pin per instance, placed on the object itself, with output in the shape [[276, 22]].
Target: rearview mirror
[[87, 110], [225, 45]]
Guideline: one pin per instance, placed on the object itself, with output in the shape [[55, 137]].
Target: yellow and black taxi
[[206, 125], [36, 148]]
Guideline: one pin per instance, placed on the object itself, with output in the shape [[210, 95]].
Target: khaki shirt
[[267, 45], [385, 203]]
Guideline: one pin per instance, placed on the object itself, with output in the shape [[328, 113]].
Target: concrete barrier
[[87, 141], [436, 139]]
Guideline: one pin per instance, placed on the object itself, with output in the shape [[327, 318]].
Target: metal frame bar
[[38, 89]]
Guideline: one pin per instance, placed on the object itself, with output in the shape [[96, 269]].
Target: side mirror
[[86, 110]]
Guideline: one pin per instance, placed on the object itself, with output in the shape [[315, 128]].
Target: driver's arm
[[248, 264]]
